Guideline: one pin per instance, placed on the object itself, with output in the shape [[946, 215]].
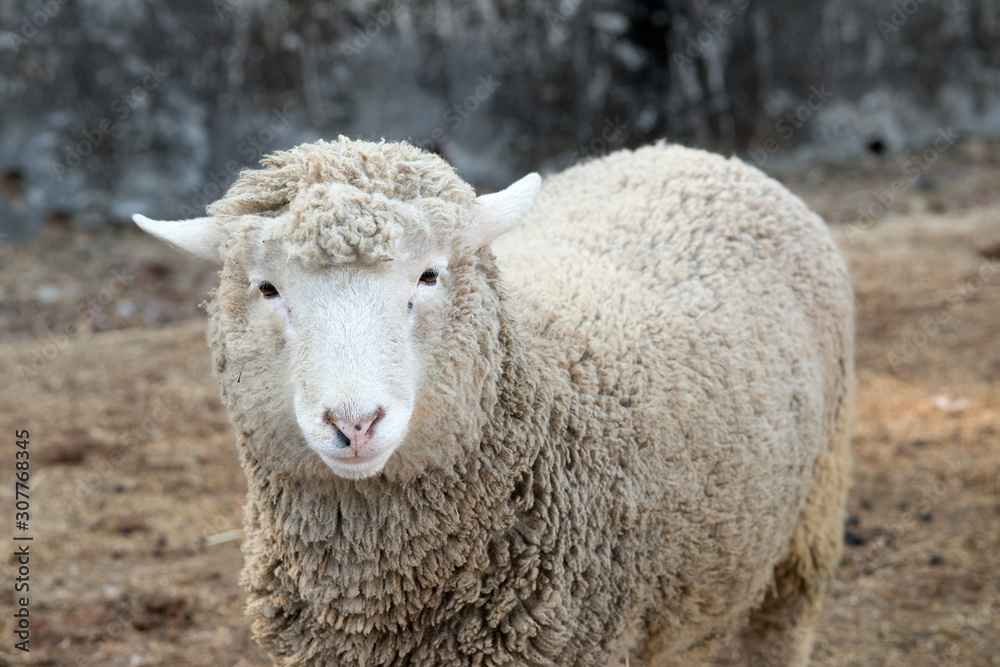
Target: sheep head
[[355, 269]]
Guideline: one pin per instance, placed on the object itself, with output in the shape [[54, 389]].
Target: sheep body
[[659, 362]]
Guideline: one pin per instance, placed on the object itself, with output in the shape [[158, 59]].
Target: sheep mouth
[[354, 466], [350, 457]]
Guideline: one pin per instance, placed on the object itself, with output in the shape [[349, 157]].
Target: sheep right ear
[[199, 236], [497, 213]]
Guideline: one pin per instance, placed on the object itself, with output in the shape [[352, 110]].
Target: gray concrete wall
[[108, 107]]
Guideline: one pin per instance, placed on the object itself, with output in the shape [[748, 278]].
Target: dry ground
[[136, 490]]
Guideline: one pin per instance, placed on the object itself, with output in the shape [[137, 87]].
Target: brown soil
[[136, 492]]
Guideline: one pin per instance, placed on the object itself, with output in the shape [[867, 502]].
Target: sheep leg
[[780, 632]]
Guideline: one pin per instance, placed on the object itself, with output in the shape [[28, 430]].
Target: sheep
[[622, 439]]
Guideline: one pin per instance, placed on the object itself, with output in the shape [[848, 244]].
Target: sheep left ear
[[497, 213], [199, 236]]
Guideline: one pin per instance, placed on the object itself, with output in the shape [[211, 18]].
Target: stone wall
[[109, 107]]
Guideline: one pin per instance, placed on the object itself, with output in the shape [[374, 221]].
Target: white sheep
[[624, 438]]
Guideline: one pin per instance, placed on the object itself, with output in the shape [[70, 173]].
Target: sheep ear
[[199, 236], [497, 213]]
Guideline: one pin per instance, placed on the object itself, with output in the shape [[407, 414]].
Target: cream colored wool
[[660, 363]]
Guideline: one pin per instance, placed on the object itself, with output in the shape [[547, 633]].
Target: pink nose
[[354, 433]]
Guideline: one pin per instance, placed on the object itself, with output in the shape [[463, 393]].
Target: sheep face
[[359, 338], [360, 334]]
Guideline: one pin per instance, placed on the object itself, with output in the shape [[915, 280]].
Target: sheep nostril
[[342, 440]]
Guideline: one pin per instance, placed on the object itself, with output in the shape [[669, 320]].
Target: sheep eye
[[268, 290], [429, 277]]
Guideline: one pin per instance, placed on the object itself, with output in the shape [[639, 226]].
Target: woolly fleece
[[661, 356]]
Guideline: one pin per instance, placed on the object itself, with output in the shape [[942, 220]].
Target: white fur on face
[[358, 340], [353, 354]]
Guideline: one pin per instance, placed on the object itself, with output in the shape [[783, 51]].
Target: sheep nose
[[353, 432]]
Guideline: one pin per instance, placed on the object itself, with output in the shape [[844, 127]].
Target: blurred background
[[883, 116], [109, 107]]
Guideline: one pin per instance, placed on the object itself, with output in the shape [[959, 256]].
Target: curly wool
[[349, 201], [660, 462]]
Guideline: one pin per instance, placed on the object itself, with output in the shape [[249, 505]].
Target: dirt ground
[[136, 493]]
